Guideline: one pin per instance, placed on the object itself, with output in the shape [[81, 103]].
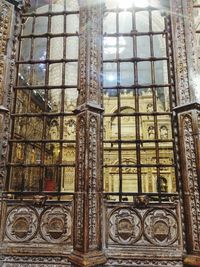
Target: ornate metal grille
[[138, 98], [42, 144]]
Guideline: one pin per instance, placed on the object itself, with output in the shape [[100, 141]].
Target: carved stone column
[[6, 76], [88, 186], [9, 28], [188, 113]]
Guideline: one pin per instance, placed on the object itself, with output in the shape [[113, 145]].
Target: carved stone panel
[[22, 224], [125, 226], [160, 227], [39, 228], [143, 227]]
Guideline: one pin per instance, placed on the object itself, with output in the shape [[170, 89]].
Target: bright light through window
[[124, 4], [110, 45]]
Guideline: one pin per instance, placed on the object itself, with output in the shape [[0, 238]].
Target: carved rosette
[[180, 53], [21, 224], [56, 225], [160, 227]]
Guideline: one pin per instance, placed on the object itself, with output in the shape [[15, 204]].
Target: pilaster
[[6, 78], [188, 115], [88, 185]]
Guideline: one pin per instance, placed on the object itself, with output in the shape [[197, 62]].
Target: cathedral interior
[[99, 133]]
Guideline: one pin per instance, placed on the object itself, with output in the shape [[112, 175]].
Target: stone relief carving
[[160, 227], [125, 226], [140, 262], [89, 81], [51, 224], [80, 185], [6, 11], [56, 225], [21, 224], [131, 226], [92, 186], [191, 167], [182, 84], [17, 261]]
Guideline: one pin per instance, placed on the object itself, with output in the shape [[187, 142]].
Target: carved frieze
[[143, 262], [17, 261]]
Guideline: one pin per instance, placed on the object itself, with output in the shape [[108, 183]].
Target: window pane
[[110, 75], [56, 48], [44, 102]]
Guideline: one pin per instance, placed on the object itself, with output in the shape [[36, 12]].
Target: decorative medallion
[[160, 227], [125, 226], [56, 224], [21, 224]]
